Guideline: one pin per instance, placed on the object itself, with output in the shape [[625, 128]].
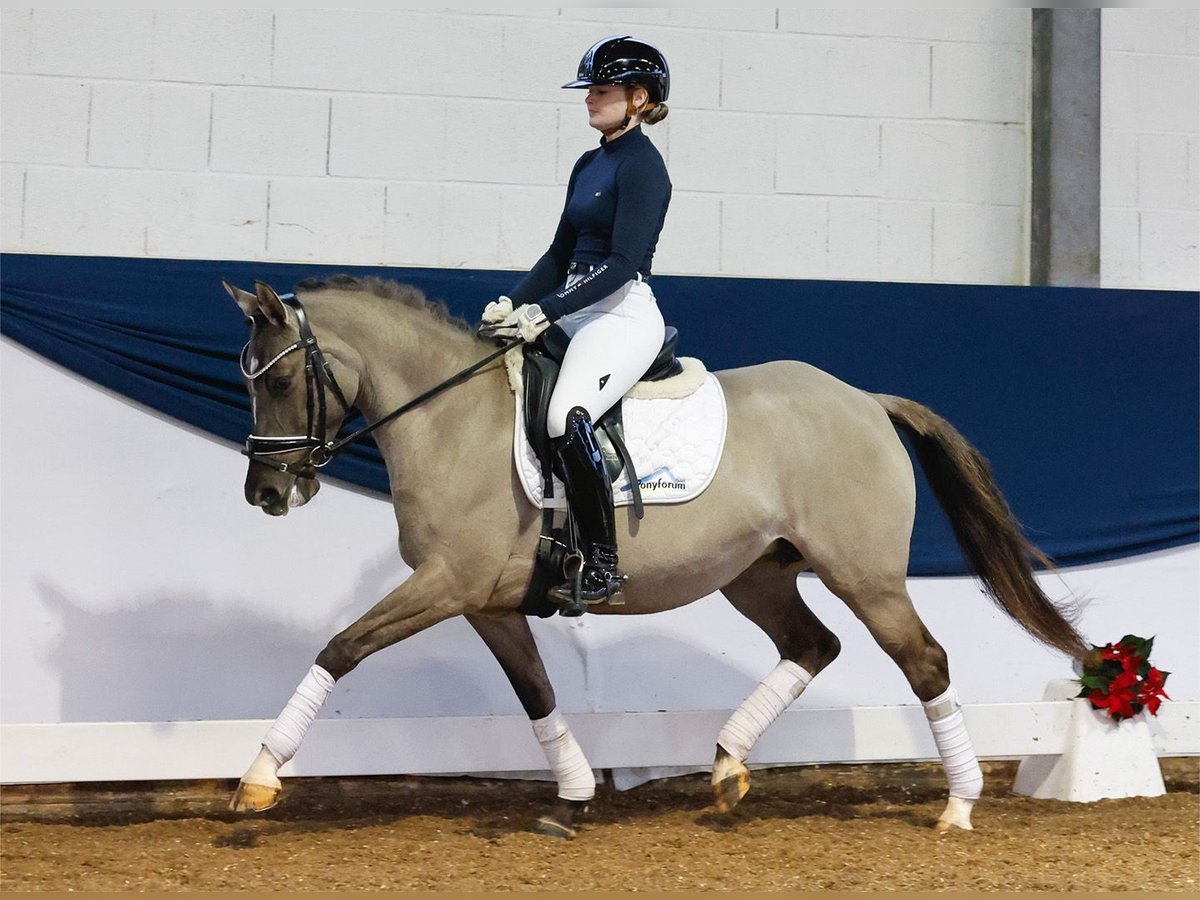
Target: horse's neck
[[401, 353], [439, 454], [402, 362]]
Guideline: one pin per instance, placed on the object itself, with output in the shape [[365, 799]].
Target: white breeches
[[613, 343]]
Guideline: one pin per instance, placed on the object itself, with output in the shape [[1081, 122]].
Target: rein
[[318, 375]]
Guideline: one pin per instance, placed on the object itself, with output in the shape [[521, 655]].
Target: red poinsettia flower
[[1119, 679], [1106, 702], [1124, 654], [1150, 691], [1120, 696], [1123, 682]]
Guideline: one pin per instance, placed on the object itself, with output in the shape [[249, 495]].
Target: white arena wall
[[152, 621], [883, 145]]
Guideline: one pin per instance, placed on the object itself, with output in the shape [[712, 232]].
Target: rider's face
[[606, 104]]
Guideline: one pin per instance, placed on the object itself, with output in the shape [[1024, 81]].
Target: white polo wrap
[[575, 778], [284, 737], [774, 694], [954, 745]]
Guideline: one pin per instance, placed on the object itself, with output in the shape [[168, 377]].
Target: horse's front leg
[[511, 642], [427, 597]]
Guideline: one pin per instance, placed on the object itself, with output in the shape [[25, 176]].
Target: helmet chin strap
[[630, 112]]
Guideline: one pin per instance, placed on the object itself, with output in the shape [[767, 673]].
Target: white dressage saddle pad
[[675, 441]]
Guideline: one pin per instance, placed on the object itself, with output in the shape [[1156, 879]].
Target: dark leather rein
[[318, 376]]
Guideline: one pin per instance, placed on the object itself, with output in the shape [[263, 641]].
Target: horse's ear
[[269, 304], [245, 300]]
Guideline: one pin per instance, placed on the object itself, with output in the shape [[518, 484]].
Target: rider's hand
[[497, 311], [530, 321], [526, 322]]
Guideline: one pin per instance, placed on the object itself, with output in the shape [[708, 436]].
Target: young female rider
[[591, 283]]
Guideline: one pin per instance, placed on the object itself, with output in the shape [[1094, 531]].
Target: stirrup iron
[[570, 604]]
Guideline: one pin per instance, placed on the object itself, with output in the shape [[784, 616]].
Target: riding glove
[[528, 321], [497, 311]]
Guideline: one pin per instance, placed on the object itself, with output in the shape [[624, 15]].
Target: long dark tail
[[986, 530]]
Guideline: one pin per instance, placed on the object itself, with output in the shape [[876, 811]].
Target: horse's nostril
[[267, 496]]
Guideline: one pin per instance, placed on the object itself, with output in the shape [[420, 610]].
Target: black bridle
[[318, 376]]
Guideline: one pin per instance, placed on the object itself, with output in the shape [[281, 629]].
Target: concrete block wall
[[1150, 148], [856, 144]]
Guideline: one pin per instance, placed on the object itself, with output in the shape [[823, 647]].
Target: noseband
[[318, 376]]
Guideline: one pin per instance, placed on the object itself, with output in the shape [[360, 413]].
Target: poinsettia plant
[[1119, 679]]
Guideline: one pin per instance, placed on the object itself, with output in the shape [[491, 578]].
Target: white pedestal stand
[[1101, 759]]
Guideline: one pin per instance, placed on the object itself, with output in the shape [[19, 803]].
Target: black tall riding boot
[[589, 493]]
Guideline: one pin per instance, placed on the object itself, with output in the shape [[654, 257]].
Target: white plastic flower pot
[[1100, 759]]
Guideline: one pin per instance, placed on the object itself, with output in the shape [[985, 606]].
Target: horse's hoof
[[730, 781], [254, 797], [552, 828], [943, 827], [728, 792], [957, 815], [559, 822]]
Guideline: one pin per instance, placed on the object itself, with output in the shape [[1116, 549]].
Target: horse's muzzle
[[278, 500]]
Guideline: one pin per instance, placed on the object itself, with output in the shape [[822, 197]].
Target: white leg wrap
[[264, 770], [773, 695], [954, 745], [284, 737], [575, 778]]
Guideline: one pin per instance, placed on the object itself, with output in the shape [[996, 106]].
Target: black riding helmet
[[622, 59]]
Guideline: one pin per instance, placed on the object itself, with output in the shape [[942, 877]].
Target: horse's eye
[[278, 385]]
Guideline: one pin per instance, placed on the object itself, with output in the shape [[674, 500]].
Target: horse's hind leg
[[889, 615], [511, 642], [767, 595]]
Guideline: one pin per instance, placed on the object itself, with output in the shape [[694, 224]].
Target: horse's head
[[296, 402]]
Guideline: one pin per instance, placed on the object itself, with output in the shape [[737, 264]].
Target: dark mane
[[406, 294]]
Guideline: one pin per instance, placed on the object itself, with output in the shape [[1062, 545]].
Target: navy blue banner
[[1084, 401]]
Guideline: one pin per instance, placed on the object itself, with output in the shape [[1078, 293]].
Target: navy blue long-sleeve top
[[617, 199]]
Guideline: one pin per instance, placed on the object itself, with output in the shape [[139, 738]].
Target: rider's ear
[[245, 300], [269, 304]]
